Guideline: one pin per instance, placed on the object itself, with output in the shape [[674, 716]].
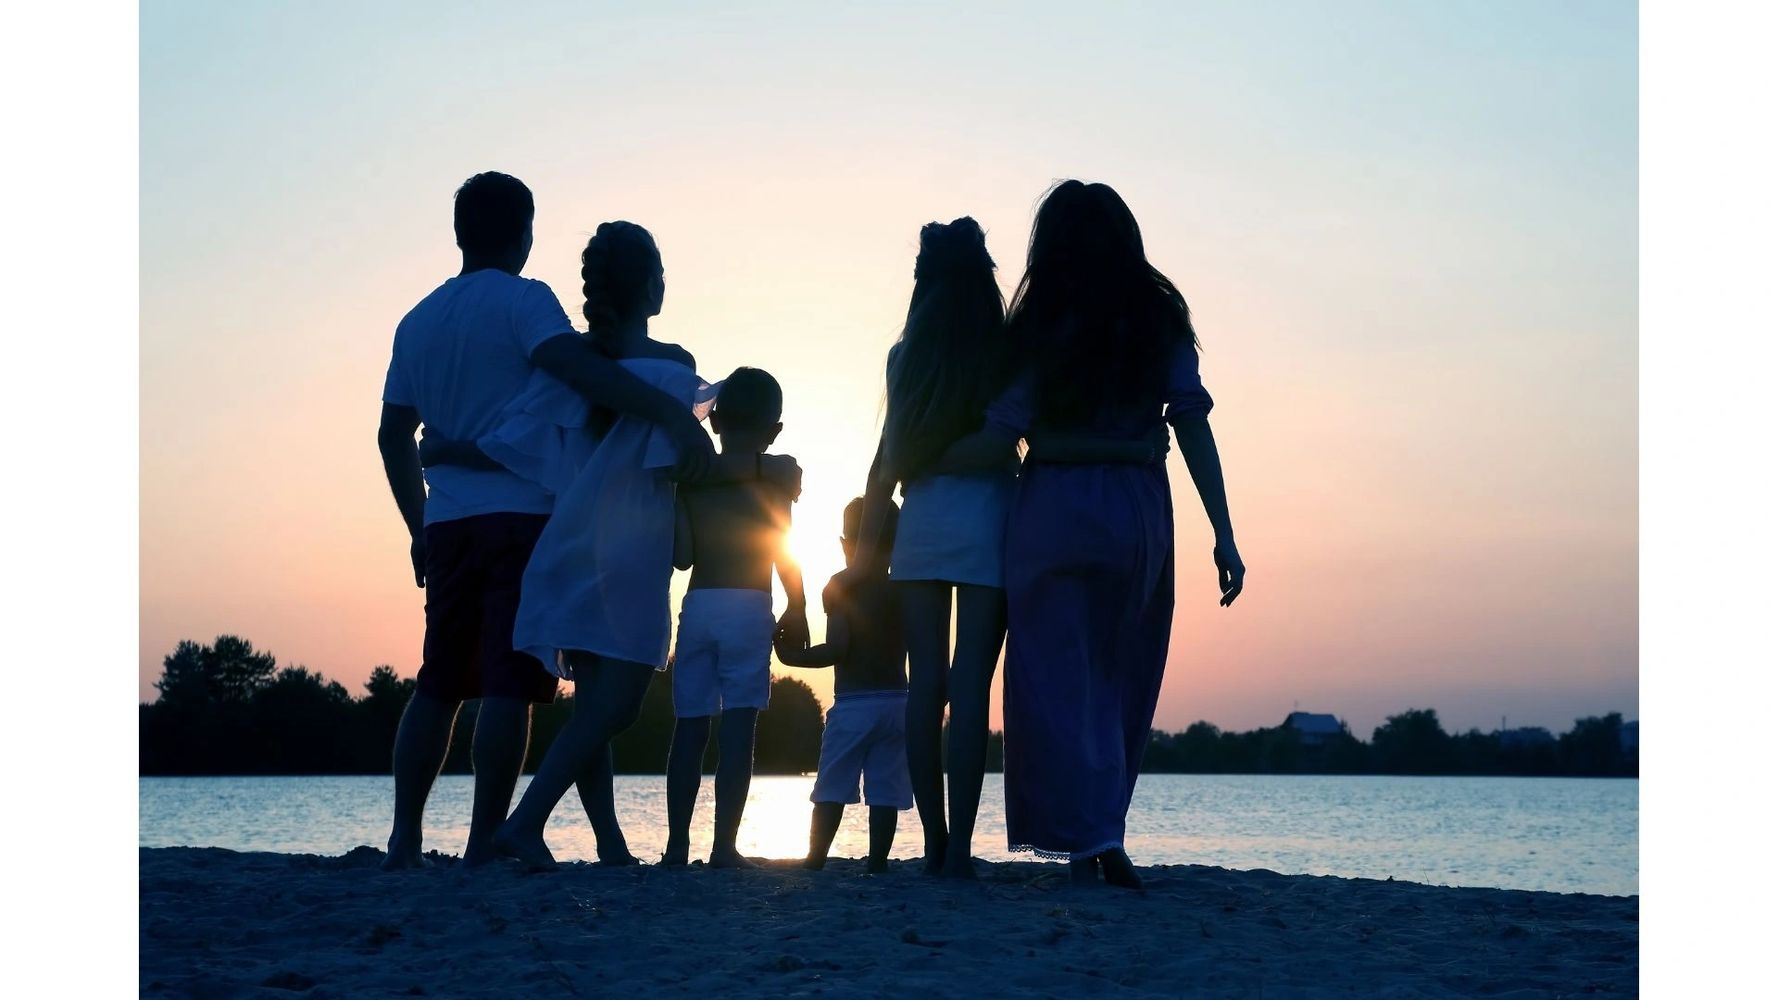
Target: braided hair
[[617, 269]]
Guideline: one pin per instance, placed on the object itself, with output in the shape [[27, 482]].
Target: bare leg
[[926, 621], [607, 698], [502, 733], [421, 742], [882, 837], [596, 797], [824, 823], [981, 628], [685, 772], [734, 776]]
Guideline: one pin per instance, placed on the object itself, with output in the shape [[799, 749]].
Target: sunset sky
[[1407, 232]]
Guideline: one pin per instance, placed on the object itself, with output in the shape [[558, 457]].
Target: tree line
[[225, 708]]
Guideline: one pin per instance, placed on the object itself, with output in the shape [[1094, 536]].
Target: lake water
[[1554, 834]]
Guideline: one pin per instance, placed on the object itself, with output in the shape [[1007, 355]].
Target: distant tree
[[385, 697], [1594, 746], [1412, 743], [1200, 748], [303, 724], [226, 708], [1475, 752], [230, 672], [789, 740]]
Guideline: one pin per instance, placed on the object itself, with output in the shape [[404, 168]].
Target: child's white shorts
[[866, 734], [724, 656]]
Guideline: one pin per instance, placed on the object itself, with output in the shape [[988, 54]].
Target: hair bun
[[958, 246]]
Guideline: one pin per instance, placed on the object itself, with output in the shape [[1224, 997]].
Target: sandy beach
[[220, 923]]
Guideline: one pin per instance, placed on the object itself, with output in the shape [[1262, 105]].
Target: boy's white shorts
[[724, 656], [866, 734]]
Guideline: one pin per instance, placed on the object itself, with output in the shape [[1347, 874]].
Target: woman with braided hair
[[593, 601]]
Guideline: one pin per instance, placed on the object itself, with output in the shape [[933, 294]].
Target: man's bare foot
[[815, 863], [404, 855], [624, 860], [876, 866], [524, 845], [678, 852], [1119, 871], [960, 868], [1084, 871], [729, 858]]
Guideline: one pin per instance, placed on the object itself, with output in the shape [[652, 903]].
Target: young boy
[[730, 536], [865, 732]]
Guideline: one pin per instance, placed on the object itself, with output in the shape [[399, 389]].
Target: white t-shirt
[[460, 357]]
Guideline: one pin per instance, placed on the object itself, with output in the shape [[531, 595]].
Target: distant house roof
[[1319, 723]]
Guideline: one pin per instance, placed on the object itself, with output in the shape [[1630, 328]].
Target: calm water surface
[[1555, 834]]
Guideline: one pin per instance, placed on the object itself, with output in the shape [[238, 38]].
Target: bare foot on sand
[[960, 868], [815, 864], [1084, 871], [526, 846], [477, 855], [404, 855], [1119, 870], [678, 852], [876, 866], [935, 854], [624, 860], [730, 858]]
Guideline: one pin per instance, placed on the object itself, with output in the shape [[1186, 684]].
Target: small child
[[730, 536], [866, 727]]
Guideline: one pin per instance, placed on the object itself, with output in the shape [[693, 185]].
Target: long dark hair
[[1092, 320], [950, 358], [617, 270]]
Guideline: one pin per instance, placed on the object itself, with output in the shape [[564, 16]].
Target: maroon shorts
[[473, 569]]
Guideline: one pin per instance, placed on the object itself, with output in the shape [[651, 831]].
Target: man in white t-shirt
[[459, 357]]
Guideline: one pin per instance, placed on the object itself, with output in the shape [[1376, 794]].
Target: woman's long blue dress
[[1089, 589]]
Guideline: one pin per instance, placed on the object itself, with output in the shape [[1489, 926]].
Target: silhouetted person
[[1102, 344], [865, 735], [594, 606], [949, 363], [730, 536], [459, 357]]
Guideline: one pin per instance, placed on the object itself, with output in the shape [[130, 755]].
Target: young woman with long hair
[[1102, 344]]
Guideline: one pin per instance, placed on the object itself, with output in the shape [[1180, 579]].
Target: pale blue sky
[[1408, 232]]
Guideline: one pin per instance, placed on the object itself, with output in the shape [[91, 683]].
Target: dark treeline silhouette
[[227, 708]]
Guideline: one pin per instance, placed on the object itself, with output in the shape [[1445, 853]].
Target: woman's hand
[[1231, 572]]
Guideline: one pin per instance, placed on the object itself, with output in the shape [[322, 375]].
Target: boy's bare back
[[737, 533]]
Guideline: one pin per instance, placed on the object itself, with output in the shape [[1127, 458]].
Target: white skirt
[[953, 529]]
